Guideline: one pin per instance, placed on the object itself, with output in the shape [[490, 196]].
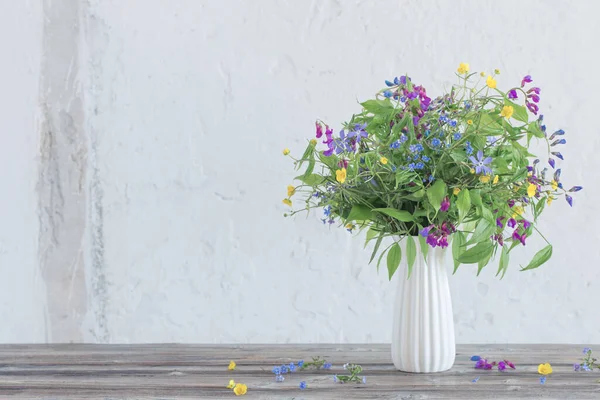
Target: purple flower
[[302, 385], [569, 199], [432, 241], [403, 79], [319, 130], [560, 141], [481, 164], [443, 242], [520, 238], [559, 132], [526, 79], [475, 358], [501, 366], [445, 204], [585, 367], [510, 364], [575, 188], [551, 162], [511, 223], [512, 94], [535, 98], [425, 231], [480, 363], [576, 367], [526, 224], [358, 132], [487, 366], [335, 379], [535, 90], [511, 203], [327, 366], [499, 223], [532, 107]]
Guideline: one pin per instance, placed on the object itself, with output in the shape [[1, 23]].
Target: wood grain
[[176, 371]]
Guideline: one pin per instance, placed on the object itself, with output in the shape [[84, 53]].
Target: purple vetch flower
[[319, 129], [445, 204], [481, 164], [510, 364], [558, 155], [520, 238], [535, 98], [551, 162], [535, 90], [512, 94], [526, 224], [575, 188], [569, 199], [389, 84], [443, 242], [480, 363], [501, 366], [559, 132], [403, 79], [416, 120], [559, 141], [532, 107], [511, 223], [425, 231], [511, 203], [431, 240], [387, 94], [487, 366], [526, 79], [499, 223]]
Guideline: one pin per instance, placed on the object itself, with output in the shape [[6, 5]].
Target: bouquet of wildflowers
[[455, 170]]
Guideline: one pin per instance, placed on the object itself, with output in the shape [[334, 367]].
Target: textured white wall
[[167, 173]]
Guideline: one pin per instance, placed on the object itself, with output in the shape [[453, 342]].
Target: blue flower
[[453, 123], [492, 140], [561, 141], [576, 367], [542, 379], [411, 166], [395, 145], [396, 81], [279, 378], [425, 158], [277, 370], [403, 99], [431, 178], [388, 94], [457, 136], [475, 358], [283, 369], [327, 365], [468, 148], [327, 211], [358, 132], [481, 164], [415, 148], [419, 165], [393, 168], [585, 367], [436, 142], [292, 367], [467, 105], [388, 83], [364, 380], [300, 363], [586, 350], [427, 133], [403, 138], [475, 380], [425, 232], [302, 385]]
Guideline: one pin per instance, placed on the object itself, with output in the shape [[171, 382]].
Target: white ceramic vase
[[423, 333]]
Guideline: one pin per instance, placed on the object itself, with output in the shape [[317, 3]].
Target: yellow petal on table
[[240, 389]]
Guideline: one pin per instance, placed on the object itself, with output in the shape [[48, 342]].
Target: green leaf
[[483, 231], [424, 247], [458, 248], [519, 112], [476, 197], [411, 129], [381, 258], [359, 213], [376, 106], [436, 193], [403, 177], [400, 215], [476, 253], [540, 257], [377, 244], [503, 264], [393, 259], [311, 180], [539, 207], [483, 262], [416, 196], [331, 161], [371, 234], [411, 253], [463, 203], [489, 125], [309, 154]]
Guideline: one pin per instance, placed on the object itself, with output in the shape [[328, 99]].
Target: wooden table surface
[[177, 371]]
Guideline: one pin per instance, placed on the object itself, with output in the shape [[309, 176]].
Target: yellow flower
[[287, 202], [484, 178], [340, 175], [313, 142], [470, 122], [350, 226], [231, 384], [497, 71], [286, 151], [531, 189], [383, 160], [463, 68], [507, 112], [231, 366], [490, 82], [472, 171], [549, 201], [240, 389], [517, 210], [554, 184], [291, 190], [482, 73], [456, 191], [545, 369], [496, 178]]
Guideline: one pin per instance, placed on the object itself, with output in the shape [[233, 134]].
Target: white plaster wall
[[187, 106]]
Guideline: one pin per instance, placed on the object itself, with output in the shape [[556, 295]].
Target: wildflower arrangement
[[459, 167], [588, 363], [280, 370], [482, 363]]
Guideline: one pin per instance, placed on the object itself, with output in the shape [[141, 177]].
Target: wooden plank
[[177, 371]]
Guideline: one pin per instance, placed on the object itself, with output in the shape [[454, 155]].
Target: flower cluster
[[239, 389], [483, 363], [544, 370], [588, 363], [354, 370], [281, 370], [455, 169]]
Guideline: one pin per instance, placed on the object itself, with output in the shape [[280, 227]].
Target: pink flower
[[445, 205], [526, 79]]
